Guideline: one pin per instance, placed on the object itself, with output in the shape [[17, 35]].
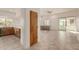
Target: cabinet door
[[11, 30], [5, 31], [8, 31], [18, 32]]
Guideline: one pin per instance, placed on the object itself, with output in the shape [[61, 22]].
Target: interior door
[[33, 27]]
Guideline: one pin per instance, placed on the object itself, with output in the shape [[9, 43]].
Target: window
[[62, 23], [8, 21], [2, 21], [47, 22], [71, 25], [67, 23], [5, 21]]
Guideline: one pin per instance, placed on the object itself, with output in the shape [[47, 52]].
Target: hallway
[[57, 40]]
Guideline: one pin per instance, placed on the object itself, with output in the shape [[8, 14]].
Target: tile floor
[[57, 40], [49, 40], [10, 42]]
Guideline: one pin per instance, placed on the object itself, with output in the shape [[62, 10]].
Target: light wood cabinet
[[4, 31], [8, 31]]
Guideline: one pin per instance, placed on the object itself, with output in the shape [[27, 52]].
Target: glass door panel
[[71, 25], [62, 24]]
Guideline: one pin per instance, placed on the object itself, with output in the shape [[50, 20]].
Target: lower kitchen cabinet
[[7, 31], [4, 31], [17, 32]]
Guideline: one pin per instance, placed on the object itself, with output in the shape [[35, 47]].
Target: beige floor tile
[[57, 40], [10, 42]]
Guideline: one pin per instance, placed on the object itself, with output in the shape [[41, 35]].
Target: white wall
[[18, 23], [54, 23]]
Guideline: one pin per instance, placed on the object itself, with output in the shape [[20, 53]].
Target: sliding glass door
[[62, 24], [67, 23], [71, 24]]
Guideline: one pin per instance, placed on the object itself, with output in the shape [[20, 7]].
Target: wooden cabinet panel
[[10, 31], [7, 31], [18, 32]]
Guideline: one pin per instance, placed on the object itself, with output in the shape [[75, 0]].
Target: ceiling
[[43, 11], [12, 10], [46, 11]]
